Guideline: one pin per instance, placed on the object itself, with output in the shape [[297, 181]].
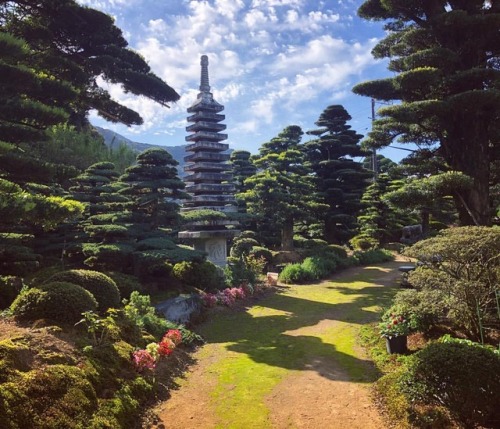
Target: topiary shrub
[[261, 252], [242, 246], [464, 378], [204, 275], [59, 301], [294, 273], [102, 287], [10, 287]]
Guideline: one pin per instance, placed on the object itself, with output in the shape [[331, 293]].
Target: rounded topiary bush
[[204, 275], [464, 378], [59, 301], [98, 284]]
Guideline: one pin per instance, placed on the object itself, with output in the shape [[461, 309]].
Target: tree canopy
[[445, 56], [81, 45]]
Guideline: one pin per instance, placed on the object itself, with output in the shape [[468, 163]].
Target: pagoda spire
[[204, 83]]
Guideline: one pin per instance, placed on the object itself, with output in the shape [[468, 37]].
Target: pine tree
[[339, 178], [282, 192], [445, 59]]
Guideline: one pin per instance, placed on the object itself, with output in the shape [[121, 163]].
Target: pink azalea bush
[[229, 296], [147, 358]]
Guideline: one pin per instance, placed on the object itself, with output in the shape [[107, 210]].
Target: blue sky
[[273, 63]]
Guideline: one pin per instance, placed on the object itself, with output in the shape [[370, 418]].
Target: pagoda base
[[215, 247]]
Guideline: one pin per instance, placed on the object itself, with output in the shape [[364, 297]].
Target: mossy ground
[[286, 333]]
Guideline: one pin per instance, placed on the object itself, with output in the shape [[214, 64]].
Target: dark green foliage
[[59, 301], [271, 194], [242, 246], [363, 242], [337, 250], [445, 84], [126, 283], [339, 179], [10, 287], [261, 252], [463, 378], [108, 256], [154, 187], [82, 45], [374, 256], [56, 396], [204, 275], [102, 287]]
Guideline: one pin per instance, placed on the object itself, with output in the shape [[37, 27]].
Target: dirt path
[[290, 361]]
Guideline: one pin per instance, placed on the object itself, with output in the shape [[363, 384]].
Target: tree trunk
[[287, 235], [424, 219], [473, 162]]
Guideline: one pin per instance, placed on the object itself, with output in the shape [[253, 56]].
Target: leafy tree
[[445, 56], [282, 192], [426, 194], [464, 264], [340, 180], [81, 45]]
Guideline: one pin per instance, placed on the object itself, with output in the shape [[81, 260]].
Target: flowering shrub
[[143, 360], [166, 347], [394, 326], [146, 359], [173, 335]]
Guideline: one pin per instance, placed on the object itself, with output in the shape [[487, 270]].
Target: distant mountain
[[114, 139]]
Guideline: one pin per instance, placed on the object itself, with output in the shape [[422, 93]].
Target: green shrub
[[374, 256], [463, 378], [294, 273], [261, 252], [59, 301], [463, 263], [242, 246], [424, 308], [98, 284], [338, 250], [126, 283], [204, 275], [363, 243], [10, 287], [319, 268]]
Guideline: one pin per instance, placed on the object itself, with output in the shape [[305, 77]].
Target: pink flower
[[173, 335], [166, 347], [143, 360]]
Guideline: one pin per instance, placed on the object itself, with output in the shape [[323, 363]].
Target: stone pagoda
[[207, 178]]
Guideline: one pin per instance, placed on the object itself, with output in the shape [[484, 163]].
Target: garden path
[[288, 360]]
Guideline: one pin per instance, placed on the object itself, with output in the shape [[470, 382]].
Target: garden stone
[[180, 309]]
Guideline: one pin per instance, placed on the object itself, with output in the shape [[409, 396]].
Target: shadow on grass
[[270, 338]]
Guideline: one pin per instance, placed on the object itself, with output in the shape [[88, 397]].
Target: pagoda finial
[[204, 85]]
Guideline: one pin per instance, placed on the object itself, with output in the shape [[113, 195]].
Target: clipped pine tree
[[340, 179]]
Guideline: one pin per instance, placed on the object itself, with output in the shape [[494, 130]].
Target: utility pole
[[374, 151]]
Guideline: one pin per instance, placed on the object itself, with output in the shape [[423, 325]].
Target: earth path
[[289, 361]]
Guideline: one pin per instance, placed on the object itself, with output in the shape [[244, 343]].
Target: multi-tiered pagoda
[[207, 178]]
